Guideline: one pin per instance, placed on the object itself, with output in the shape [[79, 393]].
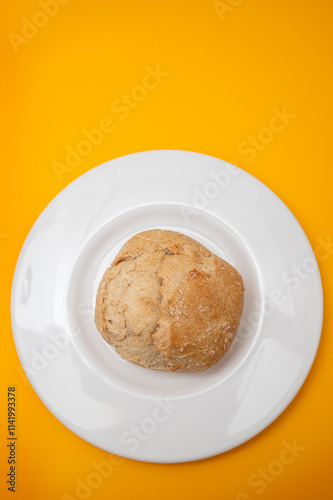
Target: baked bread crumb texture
[[168, 303]]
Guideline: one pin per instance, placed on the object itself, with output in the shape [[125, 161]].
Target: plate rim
[[298, 382]]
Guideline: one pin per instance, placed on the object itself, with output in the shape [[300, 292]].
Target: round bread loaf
[[167, 303]]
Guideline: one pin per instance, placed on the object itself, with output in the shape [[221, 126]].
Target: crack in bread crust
[[167, 303]]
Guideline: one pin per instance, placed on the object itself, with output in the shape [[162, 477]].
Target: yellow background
[[227, 72]]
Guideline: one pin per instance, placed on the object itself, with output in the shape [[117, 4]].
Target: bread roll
[[167, 303]]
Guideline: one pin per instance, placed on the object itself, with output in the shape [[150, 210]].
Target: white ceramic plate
[[144, 414]]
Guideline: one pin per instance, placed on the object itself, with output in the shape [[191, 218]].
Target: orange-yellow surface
[[224, 70]]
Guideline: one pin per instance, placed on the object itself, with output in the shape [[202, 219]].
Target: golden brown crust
[[167, 303]]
